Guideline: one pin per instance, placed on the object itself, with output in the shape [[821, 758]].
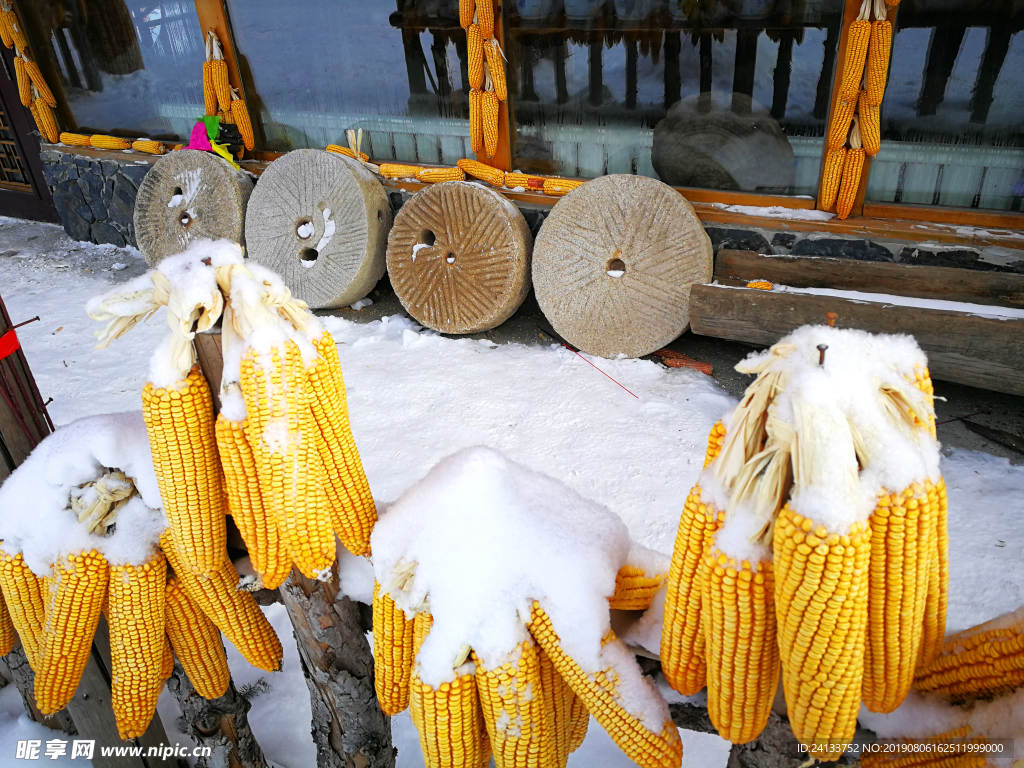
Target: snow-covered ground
[[416, 397]]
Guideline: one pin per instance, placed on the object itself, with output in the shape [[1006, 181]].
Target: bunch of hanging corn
[[32, 88], [219, 98], [486, 74], [799, 565]]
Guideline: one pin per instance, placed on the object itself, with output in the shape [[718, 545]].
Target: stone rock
[[321, 221], [53, 173], [614, 262], [75, 215], [122, 203], [189, 195], [860, 250], [784, 239], [50, 156], [109, 167], [135, 173], [965, 258], [738, 240], [459, 257], [709, 141], [104, 232]]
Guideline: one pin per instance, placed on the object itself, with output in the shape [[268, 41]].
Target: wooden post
[[631, 64], [824, 90], [942, 52], [596, 70], [673, 86], [24, 679], [744, 70], [349, 727], [996, 48], [705, 62], [783, 70]]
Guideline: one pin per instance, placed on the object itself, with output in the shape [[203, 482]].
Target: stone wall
[[94, 196]]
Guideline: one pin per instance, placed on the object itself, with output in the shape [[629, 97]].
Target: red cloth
[[8, 344]]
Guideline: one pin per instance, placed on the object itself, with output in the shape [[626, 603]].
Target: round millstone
[[614, 262], [321, 221], [459, 257], [189, 195]]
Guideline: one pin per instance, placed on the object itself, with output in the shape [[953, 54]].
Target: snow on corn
[[93, 544], [814, 537], [281, 447], [507, 639]]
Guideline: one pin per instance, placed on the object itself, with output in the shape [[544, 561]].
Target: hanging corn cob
[[852, 168], [831, 177], [44, 118], [475, 56], [24, 595], [392, 651], [7, 635], [496, 68], [196, 642], [218, 73], [32, 70], [870, 125], [634, 589], [476, 121], [467, 9], [461, 738], [490, 106], [24, 84], [493, 176], [878, 60], [209, 90], [858, 35], [6, 35], [485, 17], [240, 117]]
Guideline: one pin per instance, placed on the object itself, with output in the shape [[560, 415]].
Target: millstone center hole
[[427, 238], [308, 254], [184, 219], [450, 257], [304, 229], [177, 192], [615, 268]]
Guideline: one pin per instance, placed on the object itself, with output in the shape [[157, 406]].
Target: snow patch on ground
[[777, 212]]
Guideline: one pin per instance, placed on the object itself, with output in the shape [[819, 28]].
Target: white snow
[[305, 230], [175, 201], [616, 272], [983, 310], [119, 266], [362, 303], [15, 726], [777, 212], [329, 227], [417, 248]]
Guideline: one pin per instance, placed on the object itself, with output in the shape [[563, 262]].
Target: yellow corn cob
[[869, 116], [485, 17], [399, 171], [234, 611], [493, 176], [682, 639], [938, 579], [6, 628], [109, 142], [580, 721], [16, 32], [147, 146], [490, 108], [340, 150], [5, 30], [45, 120], [24, 84], [902, 542], [421, 624], [240, 114], [831, 177], [466, 10], [221, 87], [597, 690], [821, 582], [267, 552], [450, 723], [32, 69], [392, 653], [923, 382], [167, 663], [226, 118], [74, 139], [73, 597], [475, 56], [352, 509], [476, 121], [738, 618], [851, 182], [179, 422], [763, 285], [634, 589], [878, 60], [209, 92], [496, 68], [977, 663], [842, 117], [857, 38], [435, 175], [560, 186], [135, 613], [716, 439], [558, 705], [291, 468], [524, 180], [196, 641], [512, 700], [23, 591]]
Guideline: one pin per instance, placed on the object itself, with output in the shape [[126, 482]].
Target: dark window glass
[[134, 68], [315, 68], [953, 114], [721, 94]]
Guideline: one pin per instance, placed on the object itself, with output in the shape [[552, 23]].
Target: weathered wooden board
[[945, 283], [966, 349]]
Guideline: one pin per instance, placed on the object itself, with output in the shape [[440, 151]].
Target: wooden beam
[[965, 349], [936, 214], [943, 283]]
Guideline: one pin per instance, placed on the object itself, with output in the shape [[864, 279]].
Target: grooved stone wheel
[[614, 262], [458, 257], [321, 221], [186, 196]]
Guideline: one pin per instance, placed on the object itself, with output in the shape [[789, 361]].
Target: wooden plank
[[954, 216], [211, 362], [965, 349], [944, 283], [94, 717]]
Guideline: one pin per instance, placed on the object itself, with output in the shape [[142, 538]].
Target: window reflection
[[953, 114], [133, 68], [721, 94]]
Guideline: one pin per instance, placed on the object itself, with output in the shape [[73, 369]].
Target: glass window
[[133, 68], [720, 94], [953, 114], [314, 68]]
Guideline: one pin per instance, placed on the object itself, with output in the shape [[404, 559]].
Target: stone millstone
[[459, 257], [614, 262], [189, 195], [321, 221]]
